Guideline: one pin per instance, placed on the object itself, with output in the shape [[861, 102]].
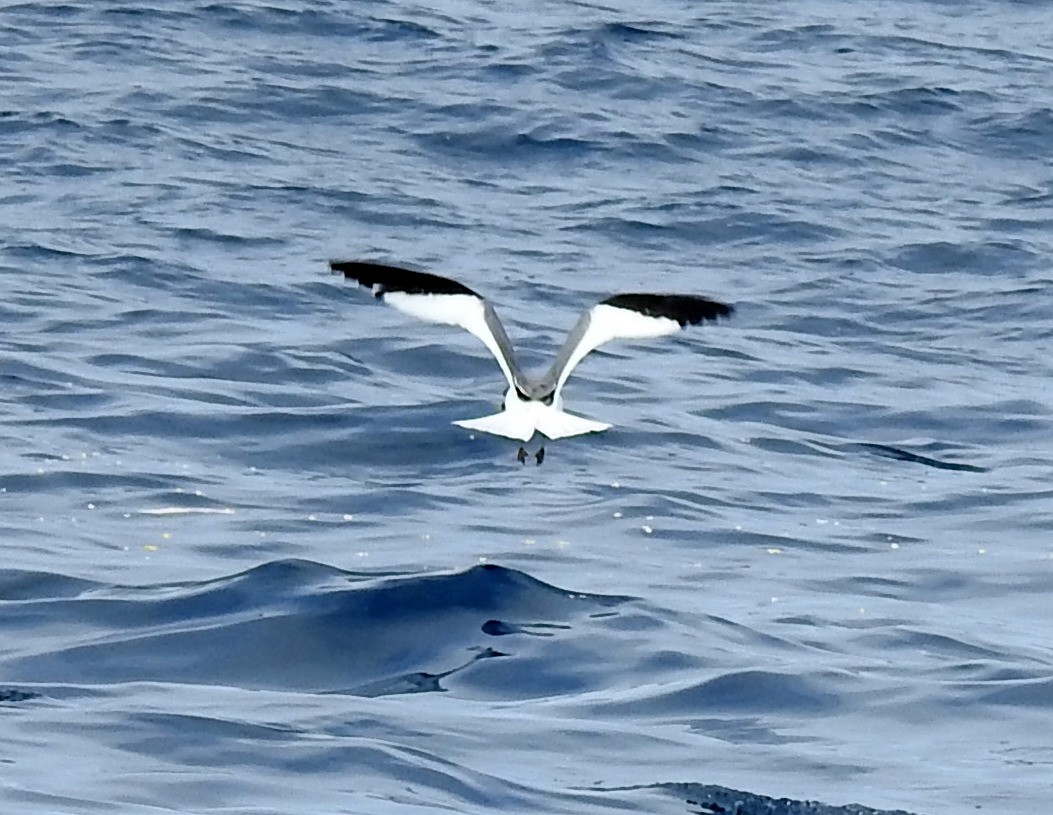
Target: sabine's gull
[[530, 404]]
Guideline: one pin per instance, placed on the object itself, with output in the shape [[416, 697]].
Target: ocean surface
[[249, 566]]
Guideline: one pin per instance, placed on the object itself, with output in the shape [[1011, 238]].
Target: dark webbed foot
[[521, 455]]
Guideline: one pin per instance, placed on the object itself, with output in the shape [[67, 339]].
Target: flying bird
[[530, 404]]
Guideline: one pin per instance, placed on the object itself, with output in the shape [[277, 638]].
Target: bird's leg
[[521, 456], [539, 456]]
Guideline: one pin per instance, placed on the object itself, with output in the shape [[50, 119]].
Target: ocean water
[[250, 566]]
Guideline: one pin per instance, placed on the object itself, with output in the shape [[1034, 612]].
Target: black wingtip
[[686, 309], [381, 278]]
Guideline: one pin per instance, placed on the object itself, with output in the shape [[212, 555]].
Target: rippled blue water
[[251, 567]]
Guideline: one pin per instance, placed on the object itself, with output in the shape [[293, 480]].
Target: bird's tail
[[559, 425], [549, 422], [500, 424]]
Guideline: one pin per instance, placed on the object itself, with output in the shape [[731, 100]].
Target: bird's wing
[[436, 299], [629, 317]]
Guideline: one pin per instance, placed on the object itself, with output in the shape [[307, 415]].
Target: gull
[[530, 404]]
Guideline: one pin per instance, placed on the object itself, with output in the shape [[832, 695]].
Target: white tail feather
[[500, 424], [559, 425]]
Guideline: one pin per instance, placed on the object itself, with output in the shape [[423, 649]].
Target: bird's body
[[530, 404]]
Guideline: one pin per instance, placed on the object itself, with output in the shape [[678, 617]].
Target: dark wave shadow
[[709, 799], [887, 451], [289, 624]]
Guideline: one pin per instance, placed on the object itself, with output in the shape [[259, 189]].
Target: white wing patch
[[608, 323], [445, 309], [461, 310], [614, 323]]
